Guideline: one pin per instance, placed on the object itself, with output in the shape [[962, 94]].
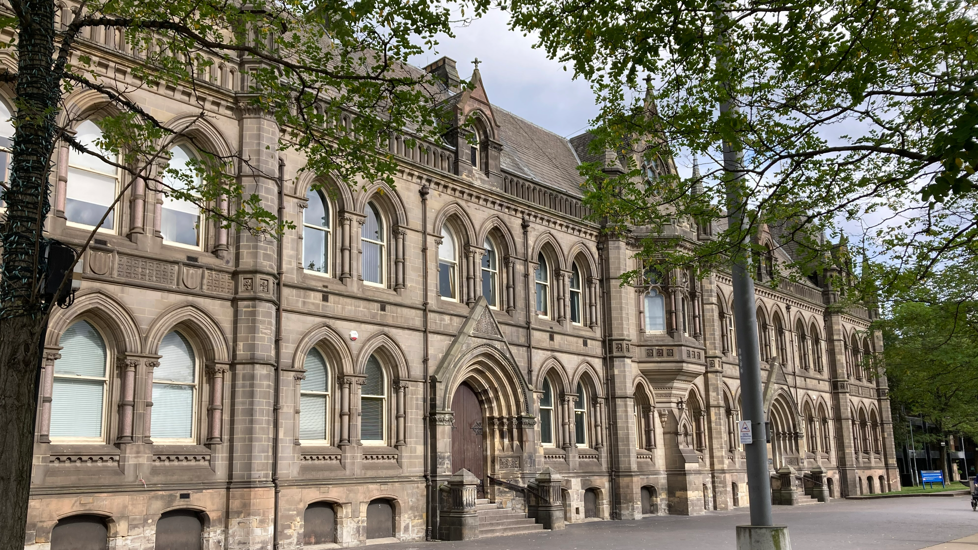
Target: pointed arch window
[[639, 421], [490, 274], [816, 350], [92, 183], [655, 312], [314, 399], [316, 233], [6, 146], [474, 148], [175, 383], [373, 404], [547, 415], [576, 303], [373, 239], [182, 222], [542, 278], [448, 265], [581, 416], [684, 313], [80, 385]]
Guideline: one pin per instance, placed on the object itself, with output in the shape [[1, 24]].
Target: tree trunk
[[22, 311], [19, 342]]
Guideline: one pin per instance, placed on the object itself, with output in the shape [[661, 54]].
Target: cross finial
[[476, 63]]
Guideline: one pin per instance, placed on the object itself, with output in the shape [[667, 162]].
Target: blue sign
[[932, 477]]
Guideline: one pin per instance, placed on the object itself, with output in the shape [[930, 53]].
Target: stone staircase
[[495, 520], [805, 500]]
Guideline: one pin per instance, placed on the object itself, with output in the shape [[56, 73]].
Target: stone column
[[399, 236], [592, 287], [510, 285], [218, 372], [598, 423], [221, 240], [459, 519], [46, 390], [550, 511], [674, 311], [471, 267], [137, 205], [148, 412], [400, 389], [61, 187], [569, 431], [697, 317], [559, 282], [345, 411], [355, 411], [297, 379], [127, 400], [345, 244]]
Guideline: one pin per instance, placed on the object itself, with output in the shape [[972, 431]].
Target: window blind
[[79, 384]]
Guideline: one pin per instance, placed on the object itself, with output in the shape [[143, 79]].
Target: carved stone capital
[[50, 357], [217, 369], [445, 418], [152, 364]]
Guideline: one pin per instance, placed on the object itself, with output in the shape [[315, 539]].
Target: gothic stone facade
[[261, 407]]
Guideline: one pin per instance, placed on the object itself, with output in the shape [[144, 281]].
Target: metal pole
[[745, 322], [913, 452]]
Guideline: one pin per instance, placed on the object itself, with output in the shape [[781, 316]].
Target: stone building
[[209, 385]]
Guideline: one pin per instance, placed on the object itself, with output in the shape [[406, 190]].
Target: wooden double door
[[469, 436]]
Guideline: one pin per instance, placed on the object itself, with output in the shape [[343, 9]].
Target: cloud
[[518, 77]]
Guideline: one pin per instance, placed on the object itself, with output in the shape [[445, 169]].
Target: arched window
[[6, 146], [374, 243], [803, 356], [373, 404], [92, 183], [80, 385], [490, 274], [637, 417], [581, 416], [857, 360], [380, 519], [868, 359], [316, 233], [781, 339], [547, 415], [684, 314], [179, 530], [182, 222], [83, 531], [474, 149], [576, 303], [319, 524], [174, 391], [655, 312], [447, 265], [816, 349], [542, 277], [724, 333], [763, 336], [823, 420], [314, 399]]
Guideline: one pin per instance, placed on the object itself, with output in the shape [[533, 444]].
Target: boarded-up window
[[80, 533], [380, 519], [179, 530], [319, 524], [590, 503]]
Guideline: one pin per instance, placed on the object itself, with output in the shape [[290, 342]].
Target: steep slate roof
[[531, 152]]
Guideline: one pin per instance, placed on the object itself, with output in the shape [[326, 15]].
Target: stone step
[[479, 501], [807, 500], [506, 530], [504, 521], [487, 507], [497, 512]]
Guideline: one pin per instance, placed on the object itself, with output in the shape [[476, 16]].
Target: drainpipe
[[429, 458], [277, 405], [530, 312], [609, 370]]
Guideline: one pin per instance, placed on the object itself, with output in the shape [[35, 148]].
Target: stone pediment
[[479, 329]]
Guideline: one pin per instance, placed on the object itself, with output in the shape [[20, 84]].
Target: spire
[[650, 106], [697, 178]]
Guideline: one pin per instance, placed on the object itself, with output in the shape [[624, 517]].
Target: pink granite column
[[148, 413], [127, 401], [216, 408], [46, 390]]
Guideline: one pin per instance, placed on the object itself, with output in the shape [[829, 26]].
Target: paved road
[[890, 524]]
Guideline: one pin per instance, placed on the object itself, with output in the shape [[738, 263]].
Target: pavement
[[890, 524]]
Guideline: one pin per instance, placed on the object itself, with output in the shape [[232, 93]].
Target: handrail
[[517, 488]]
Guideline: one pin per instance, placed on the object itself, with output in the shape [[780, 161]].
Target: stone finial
[[464, 477]]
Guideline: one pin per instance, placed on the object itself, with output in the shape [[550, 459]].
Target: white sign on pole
[[746, 433]]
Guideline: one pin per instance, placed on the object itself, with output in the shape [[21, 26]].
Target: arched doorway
[[468, 435]]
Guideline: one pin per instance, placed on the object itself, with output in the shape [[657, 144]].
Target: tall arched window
[[581, 416], [314, 399], [80, 385], [447, 265], [92, 183], [576, 303], [474, 149], [823, 420], [316, 233], [6, 146], [803, 356], [781, 339], [639, 421], [490, 274], [182, 222], [374, 243], [542, 277], [857, 360], [547, 415], [655, 312], [724, 333], [373, 404], [816, 349], [684, 314], [175, 390]]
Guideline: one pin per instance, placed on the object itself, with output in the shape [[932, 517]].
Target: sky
[[516, 76]]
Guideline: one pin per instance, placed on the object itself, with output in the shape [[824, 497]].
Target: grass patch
[[951, 486]]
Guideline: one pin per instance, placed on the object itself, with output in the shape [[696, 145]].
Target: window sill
[[323, 454], [379, 454], [83, 453], [181, 454]]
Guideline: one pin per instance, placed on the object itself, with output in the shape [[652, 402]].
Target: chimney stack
[[444, 70]]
